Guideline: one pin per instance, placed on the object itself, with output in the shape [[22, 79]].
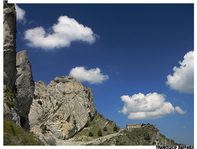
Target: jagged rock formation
[[24, 87], [18, 94], [60, 109], [9, 45], [9, 53]]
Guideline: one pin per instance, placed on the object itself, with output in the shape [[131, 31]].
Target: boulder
[[24, 87], [60, 109]]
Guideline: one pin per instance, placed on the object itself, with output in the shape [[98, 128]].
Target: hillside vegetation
[[147, 135], [15, 135], [98, 127]]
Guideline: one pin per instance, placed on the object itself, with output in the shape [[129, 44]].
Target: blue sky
[[135, 47]]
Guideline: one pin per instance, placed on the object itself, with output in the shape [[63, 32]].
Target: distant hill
[[147, 135]]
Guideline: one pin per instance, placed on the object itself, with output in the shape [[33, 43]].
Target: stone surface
[[60, 109], [24, 87], [9, 52], [9, 45], [11, 114]]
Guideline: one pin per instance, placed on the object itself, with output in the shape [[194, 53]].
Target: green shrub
[[115, 128], [91, 134], [8, 93], [147, 136], [105, 129], [100, 133], [94, 125], [9, 97], [87, 124]]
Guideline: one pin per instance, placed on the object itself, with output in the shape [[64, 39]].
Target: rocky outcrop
[[18, 85], [24, 87], [9, 45], [10, 113], [18, 93], [60, 109], [9, 52]]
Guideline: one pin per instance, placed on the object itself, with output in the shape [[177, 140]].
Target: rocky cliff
[[9, 45], [9, 53], [18, 80], [18, 85], [17, 102], [63, 113], [60, 109], [24, 87]]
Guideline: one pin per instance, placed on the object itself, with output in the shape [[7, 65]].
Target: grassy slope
[[163, 140], [14, 135], [138, 136], [97, 124]]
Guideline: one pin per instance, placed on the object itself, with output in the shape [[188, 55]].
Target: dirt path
[[93, 142]]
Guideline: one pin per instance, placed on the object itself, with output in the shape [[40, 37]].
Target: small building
[[133, 126]]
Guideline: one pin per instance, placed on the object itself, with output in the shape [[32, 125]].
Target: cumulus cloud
[[63, 33], [179, 110], [150, 106], [93, 76], [20, 13], [182, 78]]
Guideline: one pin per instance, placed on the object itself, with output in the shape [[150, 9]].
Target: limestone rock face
[[24, 87], [10, 113], [9, 52], [9, 45], [60, 109]]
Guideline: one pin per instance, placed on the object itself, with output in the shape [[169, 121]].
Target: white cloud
[[150, 106], [63, 33], [182, 78], [20, 13], [93, 76], [179, 110]]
